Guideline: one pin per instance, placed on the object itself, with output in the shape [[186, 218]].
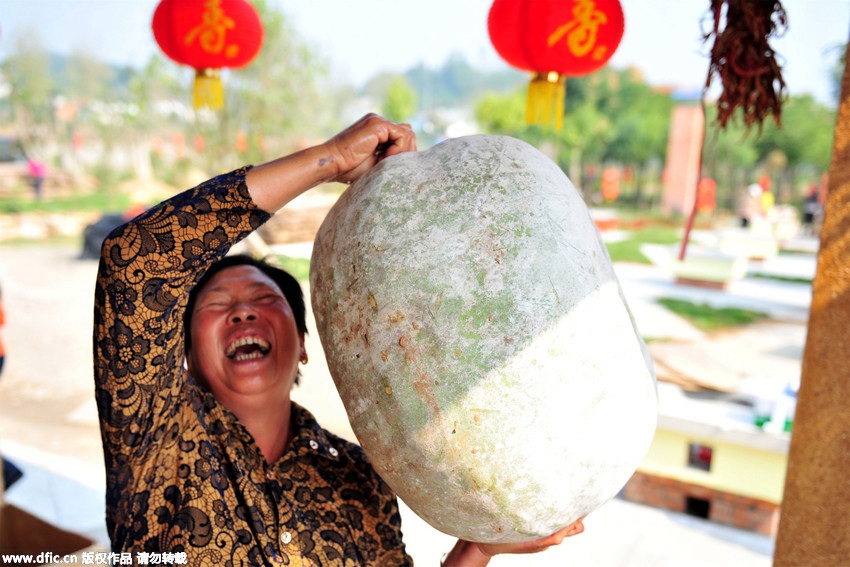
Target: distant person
[[767, 202], [749, 205], [37, 172], [812, 210]]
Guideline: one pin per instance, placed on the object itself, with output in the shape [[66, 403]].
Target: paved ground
[[48, 420]]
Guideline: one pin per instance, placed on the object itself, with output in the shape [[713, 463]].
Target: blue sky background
[[663, 38]]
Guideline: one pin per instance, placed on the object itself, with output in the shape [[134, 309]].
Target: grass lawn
[[298, 267], [782, 278], [100, 201], [708, 318], [629, 250]]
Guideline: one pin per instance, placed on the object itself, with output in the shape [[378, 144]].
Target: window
[[699, 456]]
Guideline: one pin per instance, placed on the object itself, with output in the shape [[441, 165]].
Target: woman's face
[[245, 341]]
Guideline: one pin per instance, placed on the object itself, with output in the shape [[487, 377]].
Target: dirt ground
[[47, 385]]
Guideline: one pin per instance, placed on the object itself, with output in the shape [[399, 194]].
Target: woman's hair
[[288, 285]]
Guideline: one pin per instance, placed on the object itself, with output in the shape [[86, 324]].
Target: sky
[[663, 38]]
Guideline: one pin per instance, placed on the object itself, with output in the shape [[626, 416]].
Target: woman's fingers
[[363, 144]]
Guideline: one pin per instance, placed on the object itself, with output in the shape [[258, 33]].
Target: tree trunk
[[814, 528]]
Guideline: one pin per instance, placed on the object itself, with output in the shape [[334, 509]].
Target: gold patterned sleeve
[[146, 270]]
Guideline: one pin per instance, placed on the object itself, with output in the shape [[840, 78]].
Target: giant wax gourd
[[479, 339]]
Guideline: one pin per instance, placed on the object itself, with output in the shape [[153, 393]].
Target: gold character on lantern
[[581, 30], [211, 33]]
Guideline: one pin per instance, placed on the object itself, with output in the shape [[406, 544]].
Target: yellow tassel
[[545, 104], [208, 90]]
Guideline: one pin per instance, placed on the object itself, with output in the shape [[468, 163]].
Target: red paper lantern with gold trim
[[554, 39], [208, 35]]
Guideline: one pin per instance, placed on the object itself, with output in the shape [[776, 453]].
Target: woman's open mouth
[[247, 348]]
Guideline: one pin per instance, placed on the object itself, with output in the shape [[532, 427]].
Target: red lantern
[[208, 35], [554, 39], [706, 195]]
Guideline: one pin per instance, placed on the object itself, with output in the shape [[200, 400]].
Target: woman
[[211, 459]]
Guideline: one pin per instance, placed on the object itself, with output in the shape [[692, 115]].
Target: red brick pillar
[[681, 172], [814, 527]]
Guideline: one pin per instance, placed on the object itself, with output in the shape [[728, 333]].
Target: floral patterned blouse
[[183, 474]]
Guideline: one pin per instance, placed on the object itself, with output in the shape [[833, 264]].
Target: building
[[709, 459]]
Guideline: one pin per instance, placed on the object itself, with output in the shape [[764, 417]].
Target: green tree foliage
[[613, 117], [136, 116], [793, 155], [805, 136], [88, 78], [609, 116], [502, 113], [641, 115], [27, 70], [157, 82], [456, 77], [400, 102], [90, 85], [586, 134], [279, 94], [730, 157], [453, 84], [286, 97]]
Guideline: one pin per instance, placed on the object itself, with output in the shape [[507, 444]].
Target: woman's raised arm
[[343, 158]]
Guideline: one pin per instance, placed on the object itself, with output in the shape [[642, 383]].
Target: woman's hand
[[359, 147], [468, 554], [534, 546], [343, 158]]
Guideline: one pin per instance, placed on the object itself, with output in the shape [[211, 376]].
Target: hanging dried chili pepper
[[744, 61]]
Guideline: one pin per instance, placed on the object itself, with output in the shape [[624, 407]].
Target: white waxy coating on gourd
[[479, 339]]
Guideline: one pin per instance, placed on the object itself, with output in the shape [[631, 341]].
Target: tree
[[457, 77], [610, 115], [27, 70], [586, 134], [502, 113], [640, 115], [814, 528], [400, 101], [276, 100], [86, 78], [155, 92], [456, 83], [805, 136], [88, 86]]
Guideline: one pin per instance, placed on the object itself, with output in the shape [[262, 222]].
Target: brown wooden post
[[814, 528]]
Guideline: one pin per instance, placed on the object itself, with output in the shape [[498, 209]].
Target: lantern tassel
[[545, 103], [208, 91]]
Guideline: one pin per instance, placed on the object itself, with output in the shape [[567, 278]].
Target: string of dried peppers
[[744, 61]]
